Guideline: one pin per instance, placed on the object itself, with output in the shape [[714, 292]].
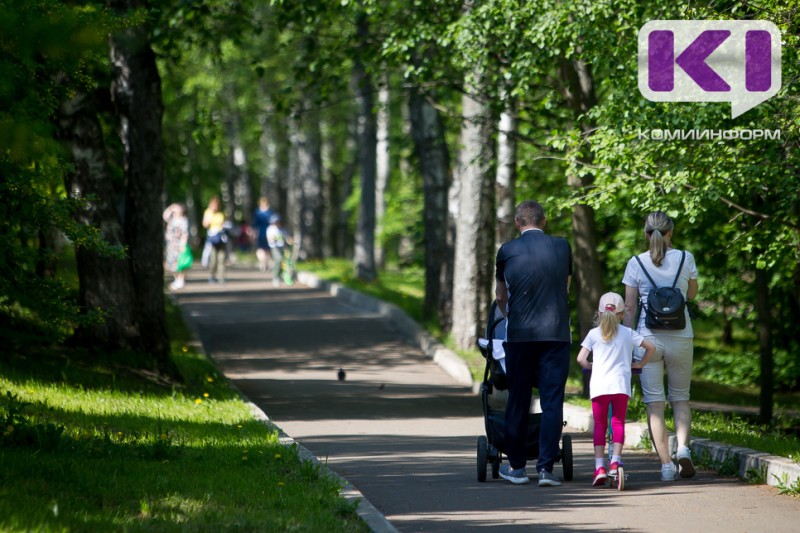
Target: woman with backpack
[[664, 267]]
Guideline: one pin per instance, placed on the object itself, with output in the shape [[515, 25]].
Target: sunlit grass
[[90, 444]]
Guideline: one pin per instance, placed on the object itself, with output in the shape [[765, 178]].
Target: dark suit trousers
[[543, 365]]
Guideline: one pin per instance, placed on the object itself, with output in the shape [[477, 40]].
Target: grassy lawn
[[89, 443], [722, 372]]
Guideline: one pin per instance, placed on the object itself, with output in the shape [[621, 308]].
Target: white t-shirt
[[611, 361], [275, 236], [663, 276]]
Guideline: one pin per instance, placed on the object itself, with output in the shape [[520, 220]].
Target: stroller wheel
[[483, 458], [496, 468], [566, 456]]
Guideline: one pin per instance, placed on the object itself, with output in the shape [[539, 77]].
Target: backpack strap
[[653, 283], [680, 267]]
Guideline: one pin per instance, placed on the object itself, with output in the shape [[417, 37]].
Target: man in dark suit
[[533, 277]]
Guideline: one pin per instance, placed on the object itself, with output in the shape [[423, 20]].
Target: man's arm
[[501, 295]]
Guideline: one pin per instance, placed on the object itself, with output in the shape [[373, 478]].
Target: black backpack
[[666, 306]]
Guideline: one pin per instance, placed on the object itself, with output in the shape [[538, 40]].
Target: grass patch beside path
[[406, 290], [88, 443]]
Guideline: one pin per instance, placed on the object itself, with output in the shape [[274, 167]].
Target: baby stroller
[[491, 447]]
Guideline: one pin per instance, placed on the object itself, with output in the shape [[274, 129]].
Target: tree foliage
[[281, 67]]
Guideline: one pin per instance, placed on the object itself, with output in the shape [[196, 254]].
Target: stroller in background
[[491, 448]]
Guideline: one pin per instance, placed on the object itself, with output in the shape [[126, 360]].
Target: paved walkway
[[404, 433]]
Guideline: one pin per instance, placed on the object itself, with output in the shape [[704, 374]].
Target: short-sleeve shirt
[[275, 236], [663, 276], [611, 360], [216, 221], [261, 223], [535, 268]]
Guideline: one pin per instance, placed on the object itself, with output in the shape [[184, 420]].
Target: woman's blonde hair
[[657, 225], [608, 321]]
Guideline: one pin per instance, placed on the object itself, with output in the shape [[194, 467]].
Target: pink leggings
[[619, 406]]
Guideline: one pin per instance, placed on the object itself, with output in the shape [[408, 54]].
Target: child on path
[[276, 240], [612, 346], [176, 237]]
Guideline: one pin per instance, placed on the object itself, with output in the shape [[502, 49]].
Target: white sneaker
[[685, 465], [668, 472]]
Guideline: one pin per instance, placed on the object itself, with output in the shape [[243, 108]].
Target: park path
[[403, 433]]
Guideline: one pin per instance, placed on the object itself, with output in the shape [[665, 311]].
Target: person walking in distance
[[260, 224], [216, 239], [611, 346], [674, 348], [176, 237], [533, 275], [276, 240]]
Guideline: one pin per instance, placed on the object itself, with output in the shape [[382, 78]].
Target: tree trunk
[[104, 282], [382, 169], [367, 134], [338, 188], [505, 186], [767, 380], [291, 218], [268, 146], [136, 92], [241, 206], [427, 130], [310, 174], [282, 164], [474, 230], [578, 90]]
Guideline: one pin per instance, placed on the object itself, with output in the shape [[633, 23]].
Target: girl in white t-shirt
[[612, 346]]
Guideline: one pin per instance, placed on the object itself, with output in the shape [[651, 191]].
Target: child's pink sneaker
[[600, 477], [613, 468]]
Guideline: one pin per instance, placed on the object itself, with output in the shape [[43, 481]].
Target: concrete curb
[[449, 361], [376, 521], [778, 471], [368, 513]]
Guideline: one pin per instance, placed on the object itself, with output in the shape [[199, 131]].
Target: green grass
[[90, 443], [731, 366]]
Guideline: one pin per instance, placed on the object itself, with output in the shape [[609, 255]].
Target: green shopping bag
[[185, 259]]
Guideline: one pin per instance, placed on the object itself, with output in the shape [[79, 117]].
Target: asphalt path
[[404, 434]]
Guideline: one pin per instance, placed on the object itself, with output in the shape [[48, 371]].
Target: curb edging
[[778, 471], [449, 361], [374, 519]]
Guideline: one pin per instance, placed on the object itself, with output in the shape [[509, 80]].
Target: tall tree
[[505, 184], [474, 233], [136, 93], [105, 282], [433, 156], [367, 133], [307, 144], [382, 168], [577, 87]]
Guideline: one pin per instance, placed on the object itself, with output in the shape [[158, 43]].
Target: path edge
[[375, 520], [778, 471]]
